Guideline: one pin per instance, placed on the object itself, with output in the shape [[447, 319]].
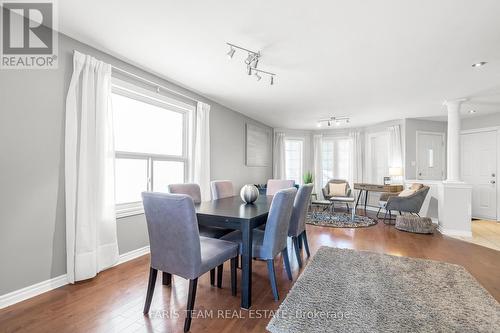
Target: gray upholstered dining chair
[[177, 248], [221, 189], [297, 229], [193, 190], [268, 243], [274, 185]]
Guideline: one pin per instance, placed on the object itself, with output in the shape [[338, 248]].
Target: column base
[[455, 207]]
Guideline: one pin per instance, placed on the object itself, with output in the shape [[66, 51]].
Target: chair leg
[[219, 275], [151, 288], [378, 212], [190, 304], [233, 275], [306, 244], [166, 279], [272, 278], [296, 241], [212, 277], [300, 241], [347, 205], [286, 261]]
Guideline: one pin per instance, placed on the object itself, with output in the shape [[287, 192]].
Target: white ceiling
[[370, 60]]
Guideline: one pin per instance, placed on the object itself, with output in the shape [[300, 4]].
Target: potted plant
[[308, 177]]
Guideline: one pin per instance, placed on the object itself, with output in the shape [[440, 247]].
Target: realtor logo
[[28, 36]]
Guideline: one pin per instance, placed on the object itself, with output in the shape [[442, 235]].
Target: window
[[336, 159], [150, 144], [293, 159]]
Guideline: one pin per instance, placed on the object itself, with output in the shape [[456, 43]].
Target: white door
[[479, 168], [430, 156]]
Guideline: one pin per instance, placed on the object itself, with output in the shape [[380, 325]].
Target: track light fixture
[[337, 121], [252, 61]]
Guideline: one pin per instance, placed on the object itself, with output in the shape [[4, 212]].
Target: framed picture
[[257, 145]]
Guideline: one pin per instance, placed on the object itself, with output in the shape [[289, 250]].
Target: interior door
[[478, 168], [430, 156]]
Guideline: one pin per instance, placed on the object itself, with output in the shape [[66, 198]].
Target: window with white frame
[[294, 150], [151, 145], [336, 159]]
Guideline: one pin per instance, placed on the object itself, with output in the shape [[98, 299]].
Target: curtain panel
[[200, 161], [279, 167], [91, 239], [318, 165]]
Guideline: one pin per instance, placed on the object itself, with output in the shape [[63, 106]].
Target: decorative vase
[[249, 193]]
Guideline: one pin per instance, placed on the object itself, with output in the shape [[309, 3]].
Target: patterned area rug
[[338, 220], [344, 290]]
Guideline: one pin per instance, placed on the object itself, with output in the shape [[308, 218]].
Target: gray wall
[[32, 213], [411, 128]]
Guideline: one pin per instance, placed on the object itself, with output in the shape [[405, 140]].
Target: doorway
[[430, 155], [479, 169]]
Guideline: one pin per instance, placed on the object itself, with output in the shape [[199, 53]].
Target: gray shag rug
[[356, 291], [338, 220]]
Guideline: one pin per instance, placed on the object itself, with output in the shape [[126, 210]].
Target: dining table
[[234, 213]]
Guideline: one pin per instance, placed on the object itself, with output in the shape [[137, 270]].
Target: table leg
[[246, 266], [366, 199], [359, 196]]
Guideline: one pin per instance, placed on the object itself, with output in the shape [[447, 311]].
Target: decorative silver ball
[[249, 193]]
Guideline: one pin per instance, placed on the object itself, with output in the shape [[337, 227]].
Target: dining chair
[[193, 190], [177, 248], [274, 185], [297, 229], [268, 243], [221, 189]]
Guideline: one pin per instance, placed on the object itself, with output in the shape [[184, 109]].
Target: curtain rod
[[158, 86]]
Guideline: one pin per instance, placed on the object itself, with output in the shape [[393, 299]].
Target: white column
[[453, 146]]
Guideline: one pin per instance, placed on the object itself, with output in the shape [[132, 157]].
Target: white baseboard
[[20, 295], [17, 296]]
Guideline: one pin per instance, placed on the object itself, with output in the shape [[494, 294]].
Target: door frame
[[443, 153], [495, 129]]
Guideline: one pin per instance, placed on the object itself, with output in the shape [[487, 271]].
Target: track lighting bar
[[337, 121], [251, 61]]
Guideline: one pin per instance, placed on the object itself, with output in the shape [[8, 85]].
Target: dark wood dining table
[[233, 213]]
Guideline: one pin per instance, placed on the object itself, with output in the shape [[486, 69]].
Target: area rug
[[338, 220], [356, 291]]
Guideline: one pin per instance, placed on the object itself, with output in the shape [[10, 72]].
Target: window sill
[[130, 209]]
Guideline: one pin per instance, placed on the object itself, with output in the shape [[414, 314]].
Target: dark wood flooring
[[113, 301]]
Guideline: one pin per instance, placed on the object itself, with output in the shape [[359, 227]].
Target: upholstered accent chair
[[221, 189], [193, 190], [268, 243], [297, 229], [177, 248], [409, 201], [275, 185], [343, 195]]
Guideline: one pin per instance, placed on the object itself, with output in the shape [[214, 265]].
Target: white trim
[[443, 153], [454, 233], [36, 289], [19, 295], [478, 130], [133, 254]]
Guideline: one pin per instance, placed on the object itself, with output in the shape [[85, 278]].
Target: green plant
[[308, 177]]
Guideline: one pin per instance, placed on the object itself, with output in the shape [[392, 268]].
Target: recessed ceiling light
[[479, 64], [472, 111]]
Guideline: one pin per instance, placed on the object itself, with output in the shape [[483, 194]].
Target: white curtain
[[201, 151], [317, 164], [395, 147], [279, 167], [91, 241], [357, 157]]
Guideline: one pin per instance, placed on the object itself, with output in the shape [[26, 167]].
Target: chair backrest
[[221, 189], [174, 238], [193, 190], [278, 221], [326, 189], [274, 185], [300, 205]]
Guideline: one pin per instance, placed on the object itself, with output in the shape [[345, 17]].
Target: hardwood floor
[[485, 233], [113, 301]]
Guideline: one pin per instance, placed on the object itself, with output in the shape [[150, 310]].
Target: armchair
[[411, 203]]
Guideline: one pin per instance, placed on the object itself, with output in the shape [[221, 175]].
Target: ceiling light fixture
[[252, 61], [231, 52], [334, 120], [479, 64], [472, 111]]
